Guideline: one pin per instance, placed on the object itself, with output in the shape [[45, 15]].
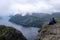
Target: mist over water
[[30, 33]]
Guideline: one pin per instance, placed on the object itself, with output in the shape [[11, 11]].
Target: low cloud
[[28, 6]]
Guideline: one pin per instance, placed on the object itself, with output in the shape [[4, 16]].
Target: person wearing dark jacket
[[53, 21]]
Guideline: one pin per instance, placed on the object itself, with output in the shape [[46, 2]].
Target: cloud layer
[[28, 6]]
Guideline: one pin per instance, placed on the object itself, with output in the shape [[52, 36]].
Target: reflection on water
[[30, 33]]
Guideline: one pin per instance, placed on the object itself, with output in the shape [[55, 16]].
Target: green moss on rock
[[9, 33]]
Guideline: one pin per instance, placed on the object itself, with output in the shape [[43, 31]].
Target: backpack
[[56, 20]]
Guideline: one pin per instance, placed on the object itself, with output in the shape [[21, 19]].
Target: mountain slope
[[9, 33], [28, 21]]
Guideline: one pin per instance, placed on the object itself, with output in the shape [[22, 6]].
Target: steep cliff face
[[49, 32], [9, 33]]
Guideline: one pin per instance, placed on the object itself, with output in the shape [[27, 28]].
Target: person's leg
[[50, 23]]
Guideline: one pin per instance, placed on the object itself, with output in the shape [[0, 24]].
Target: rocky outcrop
[[49, 32], [9, 33]]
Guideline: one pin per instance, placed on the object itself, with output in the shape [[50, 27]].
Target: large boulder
[[49, 32], [9, 33]]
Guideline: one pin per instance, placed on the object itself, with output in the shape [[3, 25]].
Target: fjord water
[[29, 32]]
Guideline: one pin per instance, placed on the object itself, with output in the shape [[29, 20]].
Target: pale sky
[[8, 7]]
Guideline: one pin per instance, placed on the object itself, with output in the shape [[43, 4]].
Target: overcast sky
[[28, 6]]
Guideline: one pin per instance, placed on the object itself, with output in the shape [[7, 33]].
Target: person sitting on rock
[[53, 21]]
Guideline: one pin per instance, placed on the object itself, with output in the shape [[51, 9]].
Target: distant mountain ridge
[[0, 17], [34, 20]]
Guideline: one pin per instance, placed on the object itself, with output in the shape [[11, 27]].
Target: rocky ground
[[49, 32], [9, 33]]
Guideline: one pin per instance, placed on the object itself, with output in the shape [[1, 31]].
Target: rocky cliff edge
[[49, 32]]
